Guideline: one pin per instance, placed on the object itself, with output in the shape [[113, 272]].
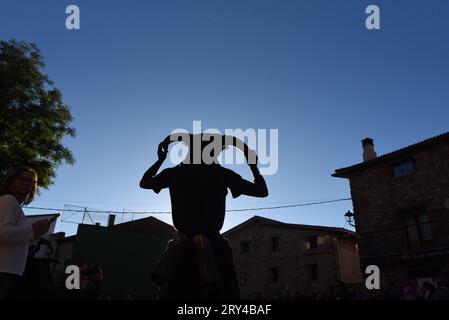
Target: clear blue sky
[[138, 69]]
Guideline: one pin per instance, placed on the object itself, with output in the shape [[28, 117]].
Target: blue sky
[[136, 70]]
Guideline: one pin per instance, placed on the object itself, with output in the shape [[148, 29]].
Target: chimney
[[368, 149], [111, 220]]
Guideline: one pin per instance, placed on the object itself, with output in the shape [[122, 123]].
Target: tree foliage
[[33, 118]]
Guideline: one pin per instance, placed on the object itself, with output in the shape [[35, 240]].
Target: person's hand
[[162, 152], [162, 149], [40, 228], [250, 156]]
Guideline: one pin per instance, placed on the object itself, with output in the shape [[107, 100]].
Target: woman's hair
[[5, 187]]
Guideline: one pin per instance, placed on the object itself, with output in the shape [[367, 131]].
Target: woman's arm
[[9, 231]]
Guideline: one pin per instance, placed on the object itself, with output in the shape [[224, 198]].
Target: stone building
[[277, 260], [401, 210]]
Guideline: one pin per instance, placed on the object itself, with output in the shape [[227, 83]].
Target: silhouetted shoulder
[[9, 200]]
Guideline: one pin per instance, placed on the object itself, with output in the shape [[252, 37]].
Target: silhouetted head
[[204, 148], [21, 183]]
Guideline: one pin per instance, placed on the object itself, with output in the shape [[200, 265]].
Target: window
[[404, 168], [313, 242], [274, 275], [243, 278], [275, 244], [313, 271], [418, 228], [424, 227], [244, 247]]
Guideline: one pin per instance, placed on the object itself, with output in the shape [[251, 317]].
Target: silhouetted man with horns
[[198, 263]]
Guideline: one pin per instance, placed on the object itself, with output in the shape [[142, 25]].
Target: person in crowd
[[428, 290], [442, 292], [16, 234], [411, 291]]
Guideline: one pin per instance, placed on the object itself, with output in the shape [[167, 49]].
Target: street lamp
[[350, 218]]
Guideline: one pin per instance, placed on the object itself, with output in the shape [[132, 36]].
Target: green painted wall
[[127, 259]]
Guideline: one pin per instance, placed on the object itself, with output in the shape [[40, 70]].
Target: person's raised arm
[[258, 188], [147, 180]]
